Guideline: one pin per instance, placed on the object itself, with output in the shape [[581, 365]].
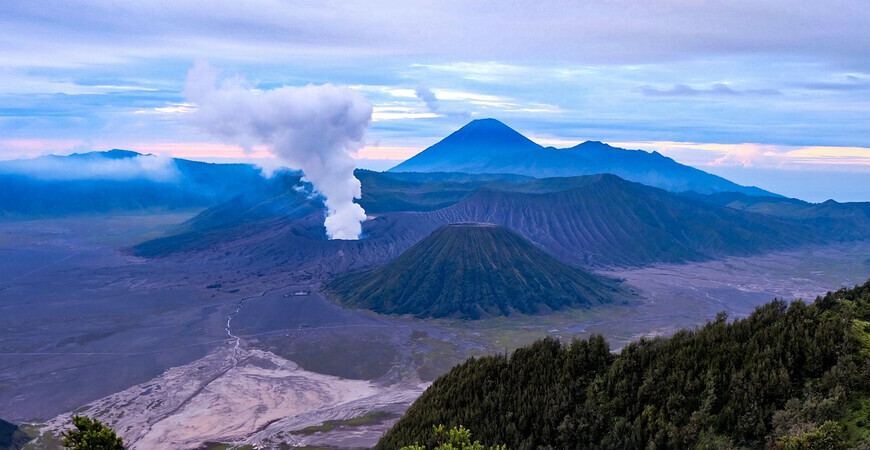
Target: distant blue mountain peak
[[490, 146]]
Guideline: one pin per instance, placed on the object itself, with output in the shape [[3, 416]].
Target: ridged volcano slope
[[593, 221], [472, 271], [609, 221]]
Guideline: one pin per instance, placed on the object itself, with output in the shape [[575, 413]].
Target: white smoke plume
[[312, 128]]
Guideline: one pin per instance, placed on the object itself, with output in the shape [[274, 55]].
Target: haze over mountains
[[489, 146], [583, 225], [590, 221], [594, 220], [118, 181], [598, 220], [497, 236]]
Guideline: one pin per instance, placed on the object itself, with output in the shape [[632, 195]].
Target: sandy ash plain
[[181, 353]]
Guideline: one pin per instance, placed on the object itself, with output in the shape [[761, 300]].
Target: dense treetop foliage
[[456, 438], [788, 376], [91, 434]]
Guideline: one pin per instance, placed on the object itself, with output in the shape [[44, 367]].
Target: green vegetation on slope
[[91, 434], [787, 376], [470, 271], [330, 425], [456, 438], [12, 437]]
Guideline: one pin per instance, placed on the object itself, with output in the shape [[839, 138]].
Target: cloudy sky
[[774, 93]]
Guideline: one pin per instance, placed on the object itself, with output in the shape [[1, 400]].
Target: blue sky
[[773, 93]]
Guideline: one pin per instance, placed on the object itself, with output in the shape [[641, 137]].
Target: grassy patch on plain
[[223, 446], [47, 440], [215, 446], [329, 425]]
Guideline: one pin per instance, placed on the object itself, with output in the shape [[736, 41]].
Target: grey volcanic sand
[[321, 336], [82, 322], [79, 320]]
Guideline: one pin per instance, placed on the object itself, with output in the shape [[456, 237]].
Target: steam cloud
[[432, 104], [312, 128], [424, 93]]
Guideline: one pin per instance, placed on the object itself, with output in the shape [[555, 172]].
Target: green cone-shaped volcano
[[472, 271]]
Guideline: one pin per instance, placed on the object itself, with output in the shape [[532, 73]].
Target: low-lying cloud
[[849, 83], [94, 167], [313, 128]]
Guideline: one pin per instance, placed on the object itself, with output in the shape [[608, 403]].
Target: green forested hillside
[[11, 436], [469, 271], [788, 376]]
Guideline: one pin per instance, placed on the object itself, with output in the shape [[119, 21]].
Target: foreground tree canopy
[[788, 376], [91, 434], [456, 438]]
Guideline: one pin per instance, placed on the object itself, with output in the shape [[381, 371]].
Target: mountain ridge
[[118, 181], [603, 220], [490, 146], [589, 221]]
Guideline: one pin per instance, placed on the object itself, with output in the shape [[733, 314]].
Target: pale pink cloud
[[756, 155], [197, 150], [394, 153], [549, 141], [31, 148]]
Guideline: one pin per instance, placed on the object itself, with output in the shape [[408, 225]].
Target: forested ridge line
[[788, 376]]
